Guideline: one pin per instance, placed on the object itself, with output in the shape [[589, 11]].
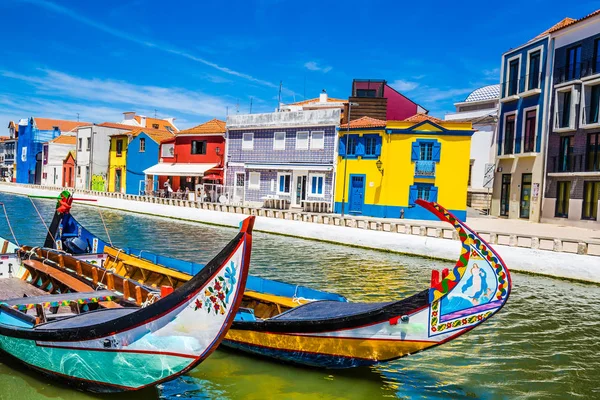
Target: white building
[[93, 145], [166, 124], [53, 154], [318, 103], [481, 109]]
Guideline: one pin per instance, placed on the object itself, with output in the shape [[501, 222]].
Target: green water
[[543, 345]]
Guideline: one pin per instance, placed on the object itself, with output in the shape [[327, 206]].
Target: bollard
[[408, 229], [493, 238], [557, 246], [582, 248], [535, 243], [512, 240], [423, 231], [439, 232]]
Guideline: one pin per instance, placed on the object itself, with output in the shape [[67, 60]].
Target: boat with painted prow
[[323, 330], [129, 348]]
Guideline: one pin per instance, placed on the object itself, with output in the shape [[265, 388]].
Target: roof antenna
[[237, 107], [155, 113], [279, 97], [77, 117], [227, 111], [250, 105]]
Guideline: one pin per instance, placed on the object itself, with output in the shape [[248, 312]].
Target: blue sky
[[194, 59]]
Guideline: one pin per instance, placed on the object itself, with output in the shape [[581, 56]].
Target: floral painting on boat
[[215, 298]]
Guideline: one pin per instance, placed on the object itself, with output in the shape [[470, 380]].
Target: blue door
[[357, 193]]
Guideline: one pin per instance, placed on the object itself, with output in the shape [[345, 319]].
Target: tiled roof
[[47, 124], [115, 125], [490, 92], [155, 134], [317, 100], [212, 126], [556, 27], [162, 123], [64, 139], [570, 21], [4, 138], [365, 122], [423, 117]]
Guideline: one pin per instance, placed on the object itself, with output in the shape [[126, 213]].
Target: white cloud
[[404, 86], [492, 74], [314, 66]]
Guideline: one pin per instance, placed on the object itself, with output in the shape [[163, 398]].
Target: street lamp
[[350, 104], [379, 164]]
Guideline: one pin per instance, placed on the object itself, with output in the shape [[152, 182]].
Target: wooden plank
[[15, 287], [60, 276], [5, 247]]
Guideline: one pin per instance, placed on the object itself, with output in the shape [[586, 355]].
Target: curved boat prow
[[475, 289]]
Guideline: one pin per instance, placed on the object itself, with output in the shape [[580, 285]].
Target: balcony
[[576, 71], [424, 169], [510, 90], [530, 85], [573, 164]]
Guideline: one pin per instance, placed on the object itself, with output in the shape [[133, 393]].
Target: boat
[[118, 348], [324, 330]]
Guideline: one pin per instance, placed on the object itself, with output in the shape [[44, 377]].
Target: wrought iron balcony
[[424, 168], [575, 71], [568, 163], [510, 87], [530, 82]]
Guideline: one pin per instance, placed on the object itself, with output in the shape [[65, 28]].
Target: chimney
[[128, 115], [323, 96], [170, 120], [142, 120]]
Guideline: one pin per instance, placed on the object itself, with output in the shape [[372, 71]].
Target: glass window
[[370, 145], [509, 134], [596, 62], [352, 141], [254, 180], [88, 143], [565, 161], [80, 144], [285, 183], [533, 80], [563, 194], [142, 145], [594, 105], [317, 140], [366, 93], [198, 146], [530, 127], [423, 191], [591, 191], [279, 141], [573, 67], [167, 150], [513, 77], [301, 140], [564, 109], [426, 151], [155, 126], [119, 147], [248, 141], [316, 185], [592, 155]]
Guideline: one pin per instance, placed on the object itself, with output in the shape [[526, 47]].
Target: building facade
[[192, 158], [68, 173], [480, 108], [8, 148], [130, 154], [384, 167], [573, 163], [521, 138], [54, 153], [286, 155], [33, 133], [93, 144]]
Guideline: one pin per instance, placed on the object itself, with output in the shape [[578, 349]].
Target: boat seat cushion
[[88, 318], [325, 309]]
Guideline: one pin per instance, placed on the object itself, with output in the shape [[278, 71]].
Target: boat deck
[[11, 288]]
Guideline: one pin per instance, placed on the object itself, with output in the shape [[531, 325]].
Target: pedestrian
[[168, 188]]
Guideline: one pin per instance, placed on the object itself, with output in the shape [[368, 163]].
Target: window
[[254, 180], [423, 191], [142, 145], [513, 77], [352, 142], [509, 133], [317, 140], [198, 146], [565, 160], [591, 191], [592, 104], [248, 141], [155, 126], [279, 141], [426, 152], [370, 146], [529, 134], [167, 149], [284, 183], [470, 172], [563, 194], [573, 67], [563, 109], [88, 144], [78, 170], [505, 195], [366, 93], [119, 147], [167, 127], [80, 144], [533, 80], [596, 62], [317, 185], [592, 153], [301, 140]]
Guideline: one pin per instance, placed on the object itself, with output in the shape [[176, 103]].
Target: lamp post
[[350, 104]]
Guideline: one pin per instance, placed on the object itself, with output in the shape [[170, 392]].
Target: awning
[[293, 167], [167, 169], [212, 177]]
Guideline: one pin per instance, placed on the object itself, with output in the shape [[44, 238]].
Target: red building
[[191, 158], [69, 170]]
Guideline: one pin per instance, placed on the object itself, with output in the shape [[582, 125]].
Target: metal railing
[[568, 163], [424, 168], [578, 70], [530, 82], [510, 87], [205, 193]]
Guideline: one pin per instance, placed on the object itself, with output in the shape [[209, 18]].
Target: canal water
[[544, 344]]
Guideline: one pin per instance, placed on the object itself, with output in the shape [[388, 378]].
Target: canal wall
[[422, 239]]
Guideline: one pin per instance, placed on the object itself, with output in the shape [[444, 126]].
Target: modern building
[[69, 170], [53, 155], [385, 166], [131, 153], [141, 121], [190, 159], [93, 144], [33, 133], [573, 163], [284, 155], [480, 108], [522, 127]]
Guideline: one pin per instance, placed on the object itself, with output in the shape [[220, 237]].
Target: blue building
[[33, 133]]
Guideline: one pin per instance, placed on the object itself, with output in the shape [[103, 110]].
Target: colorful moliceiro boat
[[324, 330], [129, 348]]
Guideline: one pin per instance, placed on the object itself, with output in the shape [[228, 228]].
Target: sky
[[198, 60]]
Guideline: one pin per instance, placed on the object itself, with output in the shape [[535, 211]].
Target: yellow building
[[117, 175], [384, 166]]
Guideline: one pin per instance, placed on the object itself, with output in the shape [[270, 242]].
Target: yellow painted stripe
[[145, 265], [369, 349], [281, 300]]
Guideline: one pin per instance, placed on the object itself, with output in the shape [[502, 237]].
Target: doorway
[[118, 180], [525, 196], [238, 192], [505, 195], [299, 194], [357, 194]]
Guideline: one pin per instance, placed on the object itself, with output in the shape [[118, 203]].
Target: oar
[[54, 198]]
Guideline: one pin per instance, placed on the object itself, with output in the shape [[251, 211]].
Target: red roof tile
[[317, 100], [212, 126], [365, 122], [47, 124], [64, 139], [115, 125], [423, 117]]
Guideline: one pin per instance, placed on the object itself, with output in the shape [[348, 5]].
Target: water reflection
[[543, 344]]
